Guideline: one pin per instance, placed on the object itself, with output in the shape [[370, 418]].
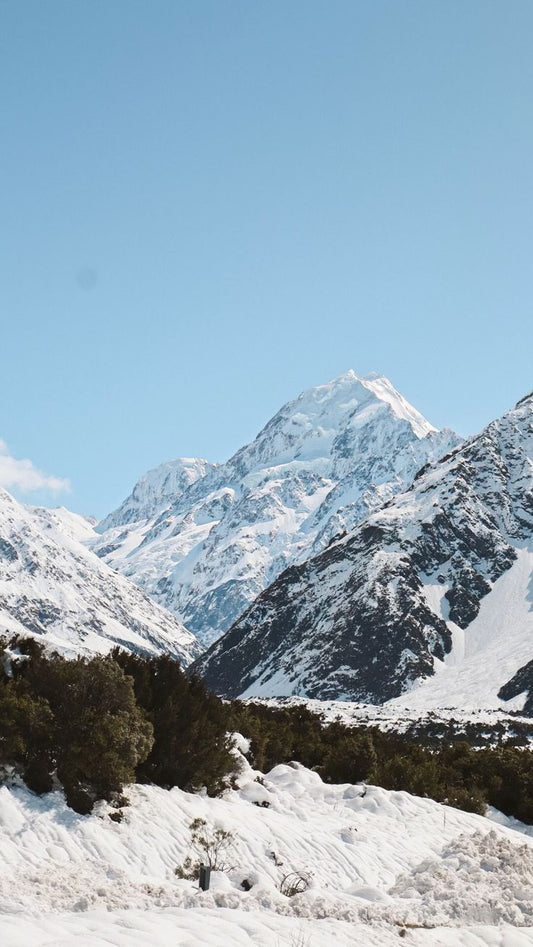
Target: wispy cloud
[[22, 475]]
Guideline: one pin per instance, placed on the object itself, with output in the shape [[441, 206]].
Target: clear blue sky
[[208, 206]]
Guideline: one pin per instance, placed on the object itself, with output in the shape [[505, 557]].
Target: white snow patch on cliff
[[489, 652]]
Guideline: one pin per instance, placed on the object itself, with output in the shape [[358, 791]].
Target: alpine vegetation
[[92, 725]]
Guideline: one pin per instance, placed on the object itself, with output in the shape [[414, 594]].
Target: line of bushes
[[452, 771], [93, 725]]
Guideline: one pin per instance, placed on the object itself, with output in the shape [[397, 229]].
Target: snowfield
[[381, 865], [488, 653]]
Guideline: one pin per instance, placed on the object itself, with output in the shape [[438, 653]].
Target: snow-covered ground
[[381, 865]]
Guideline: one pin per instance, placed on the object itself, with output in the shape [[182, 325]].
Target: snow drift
[[379, 863]]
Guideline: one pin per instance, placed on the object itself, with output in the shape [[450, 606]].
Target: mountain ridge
[[319, 465], [55, 589], [386, 605]]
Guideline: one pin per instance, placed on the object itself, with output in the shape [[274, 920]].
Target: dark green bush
[[191, 746], [77, 721]]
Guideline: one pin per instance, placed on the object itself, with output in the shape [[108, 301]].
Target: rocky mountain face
[[205, 540], [429, 599], [53, 588]]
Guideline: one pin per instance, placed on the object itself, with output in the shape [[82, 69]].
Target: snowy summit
[[206, 548], [435, 587]]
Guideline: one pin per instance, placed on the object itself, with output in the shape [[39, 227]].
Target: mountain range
[[53, 588], [351, 551], [203, 540], [430, 596]]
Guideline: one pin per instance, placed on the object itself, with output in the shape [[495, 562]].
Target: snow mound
[[378, 863], [480, 878]]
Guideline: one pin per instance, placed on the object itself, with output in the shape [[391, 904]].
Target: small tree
[[26, 725], [102, 735], [350, 755], [211, 845], [191, 748]]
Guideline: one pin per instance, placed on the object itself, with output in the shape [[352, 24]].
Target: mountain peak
[[383, 389], [156, 489], [320, 465], [433, 588], [348, 395], [353, 428], [528, 397]]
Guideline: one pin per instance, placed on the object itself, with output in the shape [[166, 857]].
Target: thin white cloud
[[22, 475]]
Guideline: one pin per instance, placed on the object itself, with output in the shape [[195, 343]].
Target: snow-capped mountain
[[159, 487], [53, 588], [436, 585], [207, 549]]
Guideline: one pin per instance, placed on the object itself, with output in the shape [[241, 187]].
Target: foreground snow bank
[[173, 927], [379, 863]]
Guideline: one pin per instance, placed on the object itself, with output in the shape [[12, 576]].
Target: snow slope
[[434, 588], [53, 588], [379, 863], [488, 653], [73, 524], [207, 549]]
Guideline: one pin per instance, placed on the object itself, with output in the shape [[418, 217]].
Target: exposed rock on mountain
[[206, 550], [440, 579], [52, 587]]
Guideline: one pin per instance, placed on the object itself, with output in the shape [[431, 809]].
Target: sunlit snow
[[378, 863]]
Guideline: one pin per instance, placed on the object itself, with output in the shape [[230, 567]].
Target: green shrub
[[97, 724], [76, 720], [191, 746]]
